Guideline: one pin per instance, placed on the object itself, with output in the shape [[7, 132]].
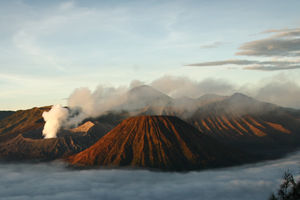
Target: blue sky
[[49, 48]]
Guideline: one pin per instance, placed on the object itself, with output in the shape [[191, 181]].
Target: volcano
[[22, 121], [142, 97], [157, 142], [4, 114], [216, 130], [251, 125], [21, 137]]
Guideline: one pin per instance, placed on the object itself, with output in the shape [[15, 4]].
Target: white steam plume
[[84, 103], [54, 119], [93, 104]]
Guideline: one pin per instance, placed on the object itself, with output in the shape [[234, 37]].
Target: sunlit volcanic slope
[[21, 137], [28, 146], [157, 142], [249, 124], [21, 121]]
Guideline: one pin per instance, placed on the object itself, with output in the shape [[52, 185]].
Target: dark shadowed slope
[[249, 124], [4, 114], [159, 142]]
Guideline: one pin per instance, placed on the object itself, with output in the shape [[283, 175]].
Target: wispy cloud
[[271, 47], [281, 33], [26, 43], [66, 5], [271, 68], [212, 45], [252, 64], [223, 62], [282, 44]]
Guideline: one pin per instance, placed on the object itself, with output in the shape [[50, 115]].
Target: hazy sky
[[49, 48]]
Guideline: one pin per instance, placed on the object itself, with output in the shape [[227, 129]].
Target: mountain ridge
[[156, 142], [238, 121]]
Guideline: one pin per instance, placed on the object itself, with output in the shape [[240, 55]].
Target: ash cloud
[[30, 182]]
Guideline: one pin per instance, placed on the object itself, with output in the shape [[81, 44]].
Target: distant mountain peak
[[146, 90], [144, 96], [141, 87], [210, 98], [240, 95]]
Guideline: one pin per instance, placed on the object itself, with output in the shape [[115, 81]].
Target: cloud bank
[[280, 91], [283, 47], [252, 64], [84, 103], [184, 87], [284, 42], [53, 181], [94, 103]]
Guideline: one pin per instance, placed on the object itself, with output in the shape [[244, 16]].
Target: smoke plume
[[54, 119], [93, 104], [177, 87], [84, 103]]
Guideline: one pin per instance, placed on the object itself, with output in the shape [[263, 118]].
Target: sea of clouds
[[56, 182]]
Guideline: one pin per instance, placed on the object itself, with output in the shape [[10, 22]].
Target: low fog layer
[[53, 181]]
